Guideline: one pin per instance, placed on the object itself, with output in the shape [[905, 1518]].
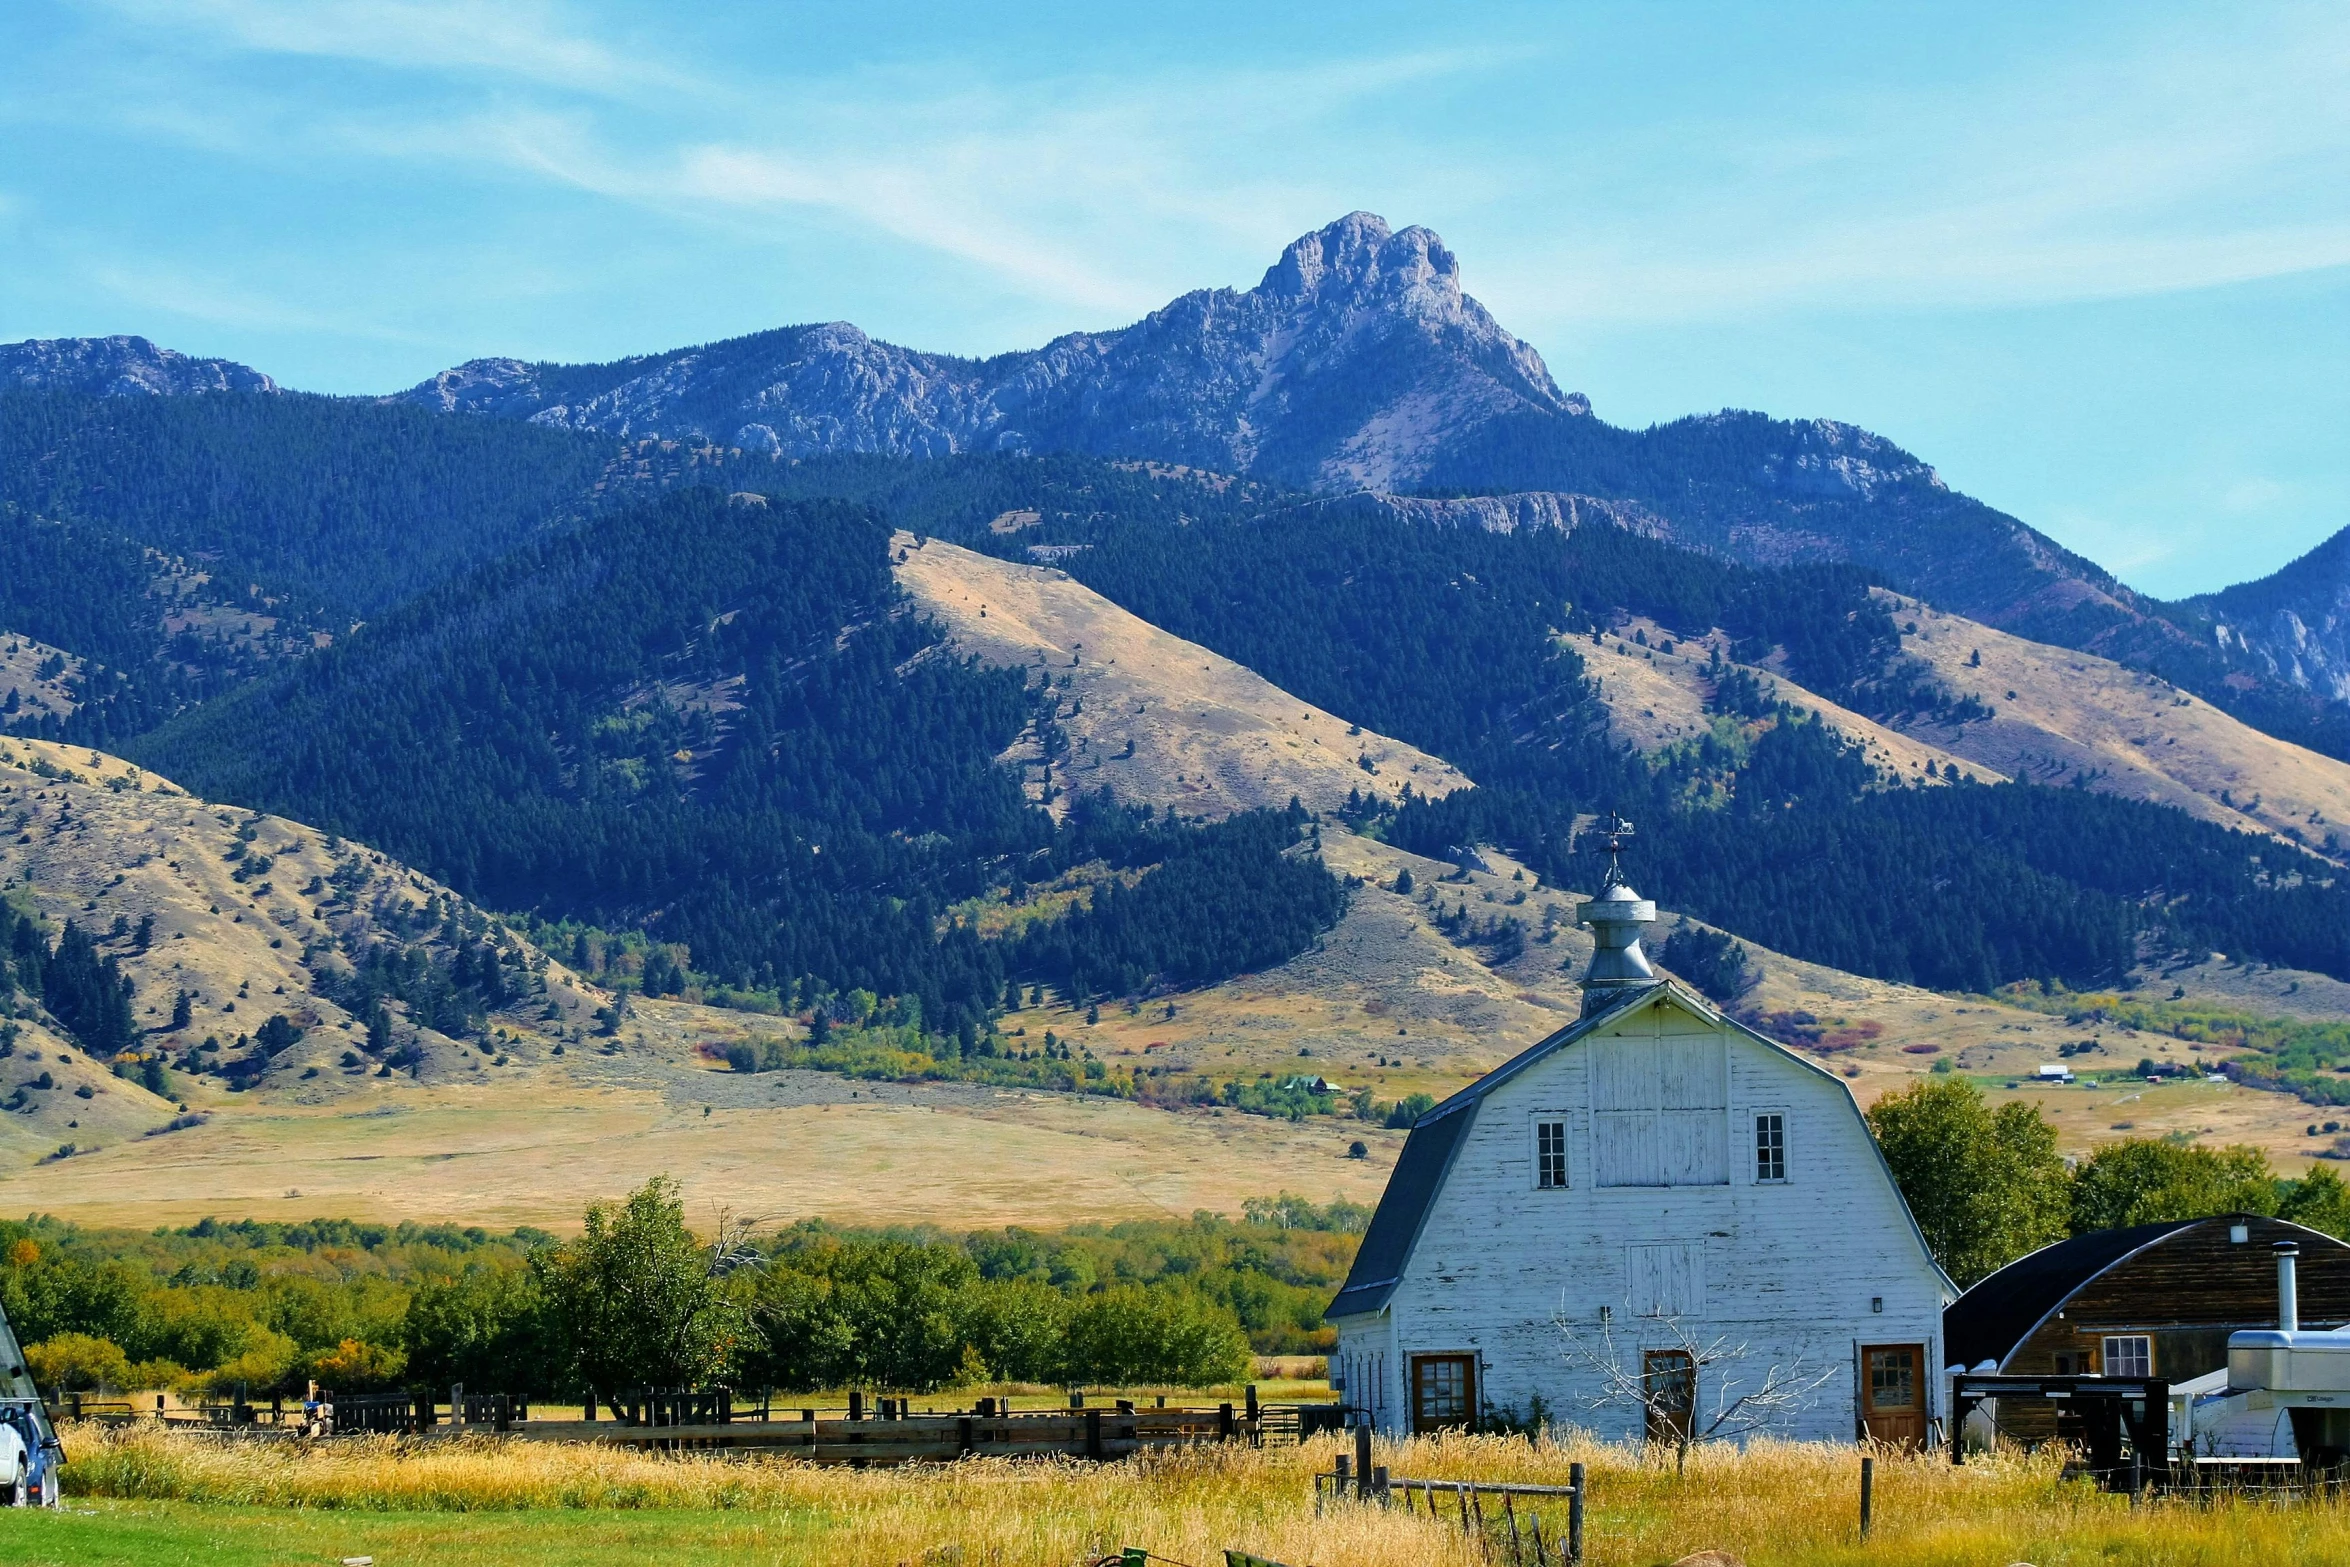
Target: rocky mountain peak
[[1360, 258], [120, 366], [1354, 361]]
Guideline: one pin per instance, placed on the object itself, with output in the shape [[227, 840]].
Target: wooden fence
[[1502, 1529], [886, 1430]]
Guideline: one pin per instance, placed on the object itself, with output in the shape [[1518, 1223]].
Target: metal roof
[[1999, 1312]]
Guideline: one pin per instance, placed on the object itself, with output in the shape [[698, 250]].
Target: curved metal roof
[[2000, 1311]]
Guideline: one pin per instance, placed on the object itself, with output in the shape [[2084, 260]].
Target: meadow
[[145, 1497]]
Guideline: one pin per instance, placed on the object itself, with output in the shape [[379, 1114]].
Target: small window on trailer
[[1550, 1151]]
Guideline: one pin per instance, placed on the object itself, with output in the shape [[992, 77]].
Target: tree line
[[638, 1299], [1988, 1185]]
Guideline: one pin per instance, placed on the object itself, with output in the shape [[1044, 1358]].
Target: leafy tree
[[1985, 1186], [2320, 1200], [1129, 1335], [1409, 1109], [636, 1301], [487, 1328], [77, 1361], [2143, 1180]]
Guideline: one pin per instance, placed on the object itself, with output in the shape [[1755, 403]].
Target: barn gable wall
[[1662, 1209]]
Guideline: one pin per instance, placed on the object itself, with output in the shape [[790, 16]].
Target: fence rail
[[1503, 1531], [885, 1430]]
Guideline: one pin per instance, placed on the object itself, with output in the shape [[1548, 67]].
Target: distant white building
[[1652, 1177]]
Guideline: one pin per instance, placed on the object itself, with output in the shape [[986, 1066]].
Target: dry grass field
[[149, 1499]]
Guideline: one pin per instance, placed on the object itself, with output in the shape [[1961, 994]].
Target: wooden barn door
[[1668, 1383], [1893, 1393], [1444, 1392]]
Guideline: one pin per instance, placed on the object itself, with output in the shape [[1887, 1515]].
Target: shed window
[[2129, 1355], [1550, 1155], [1770, 1146]]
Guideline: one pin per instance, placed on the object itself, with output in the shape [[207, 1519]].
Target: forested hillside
[[569, 701], [334, 506], [1464, 643], [712, 719]]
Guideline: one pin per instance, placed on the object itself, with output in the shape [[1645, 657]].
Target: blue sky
[[2092, 261]]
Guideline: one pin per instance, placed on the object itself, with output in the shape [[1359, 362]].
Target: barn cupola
[[1615, 917]]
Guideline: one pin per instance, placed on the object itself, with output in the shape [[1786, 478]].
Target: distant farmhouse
[[1596, 1227]]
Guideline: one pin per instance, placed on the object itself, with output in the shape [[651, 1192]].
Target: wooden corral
[[892, 1433], [1112, 1433]]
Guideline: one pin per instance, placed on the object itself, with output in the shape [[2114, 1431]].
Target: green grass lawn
[[168, 1534]]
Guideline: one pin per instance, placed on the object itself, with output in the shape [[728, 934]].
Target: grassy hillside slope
[[1152, 718], [2062, 717]]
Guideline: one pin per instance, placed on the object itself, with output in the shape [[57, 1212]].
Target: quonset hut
[[1652, 1180]]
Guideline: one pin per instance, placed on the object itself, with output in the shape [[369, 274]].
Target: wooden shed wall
[[2187, 1291]]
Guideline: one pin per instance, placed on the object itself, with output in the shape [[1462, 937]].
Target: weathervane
[[1617, 830]]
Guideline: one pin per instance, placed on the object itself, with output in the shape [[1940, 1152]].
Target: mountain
[[1352, 363], [120, 367], [1359, 364], [2293, 625]]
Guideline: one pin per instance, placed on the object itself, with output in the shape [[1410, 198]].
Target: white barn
[[1652, 1178]]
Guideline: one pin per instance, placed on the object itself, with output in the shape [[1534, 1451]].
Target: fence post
[[1363, 1462], [1093, 1433], [856, 1403], [1575, 1516], [1868, 1486]]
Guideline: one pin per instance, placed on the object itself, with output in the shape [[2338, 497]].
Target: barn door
[[1668, 1387], [1893, 1393], [1444, 1392]]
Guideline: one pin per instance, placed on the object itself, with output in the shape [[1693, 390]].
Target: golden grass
[[1774, 1503]]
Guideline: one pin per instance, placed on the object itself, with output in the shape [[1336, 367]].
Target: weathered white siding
[[1663, 1212]]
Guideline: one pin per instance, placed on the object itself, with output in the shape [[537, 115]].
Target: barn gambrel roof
[[1436, 1139]]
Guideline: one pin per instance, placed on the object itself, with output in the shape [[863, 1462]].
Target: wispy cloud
[[528, 40], [2193, 158], [2198, 159]]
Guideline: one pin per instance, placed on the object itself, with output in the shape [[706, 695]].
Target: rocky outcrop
[[1528, 511], [1350, 365], [120, 367], [2294, 626]]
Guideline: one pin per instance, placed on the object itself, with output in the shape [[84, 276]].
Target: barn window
[[1770, 1146], [2129, 1355], [1550, 1155]]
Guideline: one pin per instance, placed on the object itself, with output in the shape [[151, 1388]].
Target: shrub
[[356, 1366], [78, 1362]]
